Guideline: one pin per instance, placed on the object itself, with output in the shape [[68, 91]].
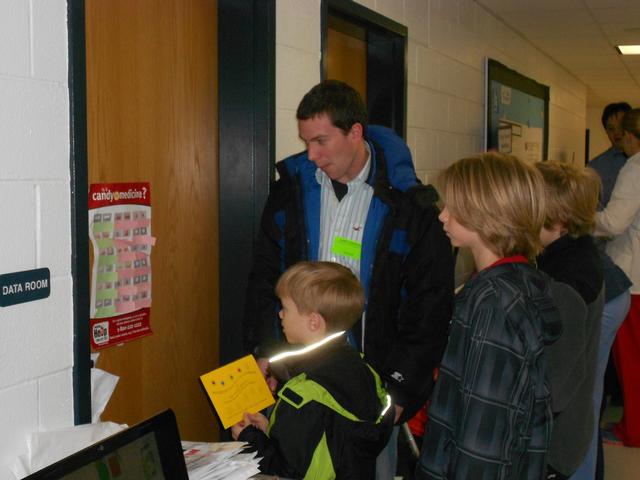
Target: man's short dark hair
[[341, 102], [612, 109]]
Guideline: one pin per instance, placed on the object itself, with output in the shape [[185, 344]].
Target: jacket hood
[[548, 313], [401, 173]]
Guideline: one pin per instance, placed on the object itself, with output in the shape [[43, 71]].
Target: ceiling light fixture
[[628, 49]]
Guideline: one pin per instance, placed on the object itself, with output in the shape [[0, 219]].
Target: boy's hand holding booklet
[[236, 388]]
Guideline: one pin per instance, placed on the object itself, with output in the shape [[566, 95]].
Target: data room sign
[[26, 286]]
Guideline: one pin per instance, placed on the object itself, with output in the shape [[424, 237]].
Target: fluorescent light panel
[[629, 49]]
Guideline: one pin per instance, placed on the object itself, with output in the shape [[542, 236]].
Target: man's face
[[332, 150], [613, 127]]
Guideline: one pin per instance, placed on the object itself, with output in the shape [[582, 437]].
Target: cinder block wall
[[36, 349], [448, 43]]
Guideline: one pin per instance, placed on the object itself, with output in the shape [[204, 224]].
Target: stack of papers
[[221, 460]]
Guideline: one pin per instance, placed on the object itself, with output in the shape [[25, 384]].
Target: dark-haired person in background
[[352, 197], [609, 162]]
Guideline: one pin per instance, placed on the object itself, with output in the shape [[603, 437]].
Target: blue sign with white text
[[26, 286]]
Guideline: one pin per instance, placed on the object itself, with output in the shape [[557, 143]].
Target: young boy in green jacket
[[332, 417]]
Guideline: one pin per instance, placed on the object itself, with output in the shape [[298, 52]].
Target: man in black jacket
[[353, 198]]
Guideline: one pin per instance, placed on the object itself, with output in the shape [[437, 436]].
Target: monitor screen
[[150, 450]]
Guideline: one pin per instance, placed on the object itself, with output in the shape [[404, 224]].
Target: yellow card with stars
[[236, 388]]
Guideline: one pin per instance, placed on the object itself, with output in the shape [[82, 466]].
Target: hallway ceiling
[[581, 36]]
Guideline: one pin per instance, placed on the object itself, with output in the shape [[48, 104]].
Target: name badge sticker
[[346, 248]]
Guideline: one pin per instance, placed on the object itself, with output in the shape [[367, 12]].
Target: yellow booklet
[[236, 388]]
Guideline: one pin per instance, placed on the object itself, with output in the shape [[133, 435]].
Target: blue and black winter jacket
[[406, 266]]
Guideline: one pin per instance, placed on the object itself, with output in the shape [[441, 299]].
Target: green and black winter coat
[[331, 420]]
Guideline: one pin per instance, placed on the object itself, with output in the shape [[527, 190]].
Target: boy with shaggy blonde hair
[[332, 417], [572, 197], [490, 415], [571, 257]]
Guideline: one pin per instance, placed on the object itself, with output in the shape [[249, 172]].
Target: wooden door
[[346, 53], [152, 116]]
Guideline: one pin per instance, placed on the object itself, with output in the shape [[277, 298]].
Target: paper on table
[[102, 386], [236, 388], [211, 461], [197, 454]]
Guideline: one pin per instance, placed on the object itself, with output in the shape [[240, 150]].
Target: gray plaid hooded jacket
[[490, 414]]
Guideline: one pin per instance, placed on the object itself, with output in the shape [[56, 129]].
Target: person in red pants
[[621, 220], [626, 354]]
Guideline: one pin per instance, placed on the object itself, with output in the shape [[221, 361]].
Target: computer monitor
[[150, 450]]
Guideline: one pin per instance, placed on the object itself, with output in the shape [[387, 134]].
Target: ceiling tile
[[580, 35], [626, 15], [608, 3], [506, 6]]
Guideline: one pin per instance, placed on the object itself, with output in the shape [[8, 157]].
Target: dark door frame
[[246, 122], [79, 211], [246, 149]]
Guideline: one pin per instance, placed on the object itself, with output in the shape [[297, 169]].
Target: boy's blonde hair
[[499, 197], [572, 196], [327, 288]]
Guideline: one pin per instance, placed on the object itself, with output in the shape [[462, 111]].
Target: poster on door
[[120, 231]]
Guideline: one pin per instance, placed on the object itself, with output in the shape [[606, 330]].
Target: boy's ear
[[316, 322]]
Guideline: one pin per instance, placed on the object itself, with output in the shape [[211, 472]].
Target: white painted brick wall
[[392, 9], [297, 66], [36, 350], [18, 250], [416, 12], [38, 336], [19, 407], [55, 401], [49, 40], [303, 20], [37, 135], [15, 41], [449, 41], [55, 251]]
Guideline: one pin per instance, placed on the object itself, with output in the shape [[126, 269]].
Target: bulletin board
[[517, 114]]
